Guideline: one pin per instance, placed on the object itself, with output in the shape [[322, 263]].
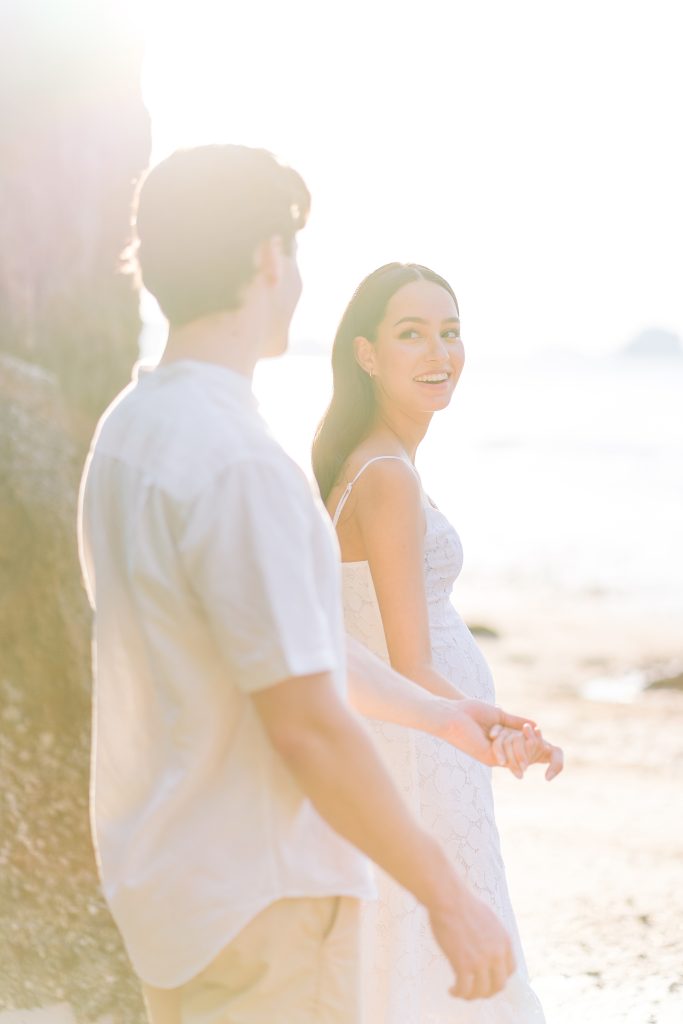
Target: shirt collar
[[214, 376]]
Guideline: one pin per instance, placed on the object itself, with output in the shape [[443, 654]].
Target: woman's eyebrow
[[420, 320]]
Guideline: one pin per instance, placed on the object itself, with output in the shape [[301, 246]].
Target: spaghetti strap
[[349, 487]]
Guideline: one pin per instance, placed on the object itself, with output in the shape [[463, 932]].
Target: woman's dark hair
[[351, 411], [199, 217]]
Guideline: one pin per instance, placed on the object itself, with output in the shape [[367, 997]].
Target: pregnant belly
[[456, 655]]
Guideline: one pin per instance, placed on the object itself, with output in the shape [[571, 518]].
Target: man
[[234, 792]]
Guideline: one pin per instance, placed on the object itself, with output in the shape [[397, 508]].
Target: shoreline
[[559, 640]]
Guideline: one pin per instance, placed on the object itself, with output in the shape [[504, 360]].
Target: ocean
[[558, 470]]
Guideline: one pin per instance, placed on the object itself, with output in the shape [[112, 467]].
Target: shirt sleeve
[[248, 549]]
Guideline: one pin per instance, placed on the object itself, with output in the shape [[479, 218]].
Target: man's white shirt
[[214, 573]]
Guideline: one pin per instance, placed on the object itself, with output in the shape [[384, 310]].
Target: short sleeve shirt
[[214, 573]]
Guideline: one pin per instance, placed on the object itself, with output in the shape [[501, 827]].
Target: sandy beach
[[595, 859]]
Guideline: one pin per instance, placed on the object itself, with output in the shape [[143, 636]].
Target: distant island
[[654, 342]]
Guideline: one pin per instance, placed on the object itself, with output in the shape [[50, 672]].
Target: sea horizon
[[558, 469]]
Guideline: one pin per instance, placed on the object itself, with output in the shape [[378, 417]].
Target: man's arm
[[334, 760], [483, 731]]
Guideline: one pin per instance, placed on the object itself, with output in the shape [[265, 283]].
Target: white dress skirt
[[406, 977]]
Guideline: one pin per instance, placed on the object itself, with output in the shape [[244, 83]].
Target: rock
[[655, 342], [667, 683], [72, 142], [59, 1013], [58, 944], [44, 616], [73, 139], [485, 632]]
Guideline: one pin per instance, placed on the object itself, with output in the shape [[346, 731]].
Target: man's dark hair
[[200, 215]]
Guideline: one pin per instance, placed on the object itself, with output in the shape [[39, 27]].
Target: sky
[[531, 152]]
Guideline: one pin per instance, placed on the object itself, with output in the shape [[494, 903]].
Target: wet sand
[[595, 859]]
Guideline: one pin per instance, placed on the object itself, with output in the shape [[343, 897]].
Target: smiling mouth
[[432, 378]]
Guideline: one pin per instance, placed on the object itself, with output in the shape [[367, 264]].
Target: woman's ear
[[365, 354]]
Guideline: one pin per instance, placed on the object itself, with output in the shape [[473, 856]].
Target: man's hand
[[377, 691], [496, 738], [337, 766], [476, 945]]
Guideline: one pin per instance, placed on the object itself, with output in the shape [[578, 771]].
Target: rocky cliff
[[74, 136]]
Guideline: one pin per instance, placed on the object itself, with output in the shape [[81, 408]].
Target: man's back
[[220, 645], [214, 576]]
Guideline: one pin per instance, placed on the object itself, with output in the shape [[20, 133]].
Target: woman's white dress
[[406, 976]]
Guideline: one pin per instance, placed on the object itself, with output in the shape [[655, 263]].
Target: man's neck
[[231, 339]]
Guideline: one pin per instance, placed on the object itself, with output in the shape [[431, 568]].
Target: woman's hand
[[517, 750], [485, 732]]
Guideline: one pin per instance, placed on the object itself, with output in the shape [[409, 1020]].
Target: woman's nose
[[437, 347]]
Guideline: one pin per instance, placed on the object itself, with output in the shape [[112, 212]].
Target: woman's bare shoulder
[[388, 480], [377, 451], [380, 473]]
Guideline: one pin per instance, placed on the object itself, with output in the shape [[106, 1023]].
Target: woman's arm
[[390, 521], [485, 732], [391, 524]]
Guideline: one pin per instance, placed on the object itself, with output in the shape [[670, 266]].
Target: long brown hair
[[351, 411]]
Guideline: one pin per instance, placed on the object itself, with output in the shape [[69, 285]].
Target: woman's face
[[417, 356]]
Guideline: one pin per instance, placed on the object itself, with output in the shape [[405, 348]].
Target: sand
[[595, 858]]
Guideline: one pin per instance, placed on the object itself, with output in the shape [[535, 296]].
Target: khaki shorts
[[297, 962]]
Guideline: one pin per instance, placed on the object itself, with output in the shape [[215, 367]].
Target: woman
[[396, 360]]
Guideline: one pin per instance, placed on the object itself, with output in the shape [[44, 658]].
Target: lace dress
[[406, 976]]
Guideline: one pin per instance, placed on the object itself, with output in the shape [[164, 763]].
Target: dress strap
[[349, 487]]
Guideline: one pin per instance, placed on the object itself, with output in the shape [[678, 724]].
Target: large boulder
[[57, 940], [74, 136], [73, 140], [44, 619]]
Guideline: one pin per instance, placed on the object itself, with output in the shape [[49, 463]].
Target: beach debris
[[669, 682], [655, 342], [484, 632], [625, 688]]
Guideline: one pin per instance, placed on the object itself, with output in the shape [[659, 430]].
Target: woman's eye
[[409, 335], [451, 335]]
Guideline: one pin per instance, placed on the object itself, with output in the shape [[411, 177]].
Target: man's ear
[[268, 259], [365, 354]]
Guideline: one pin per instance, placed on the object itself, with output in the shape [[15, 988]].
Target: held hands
[[518, 749], [498, 739]]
